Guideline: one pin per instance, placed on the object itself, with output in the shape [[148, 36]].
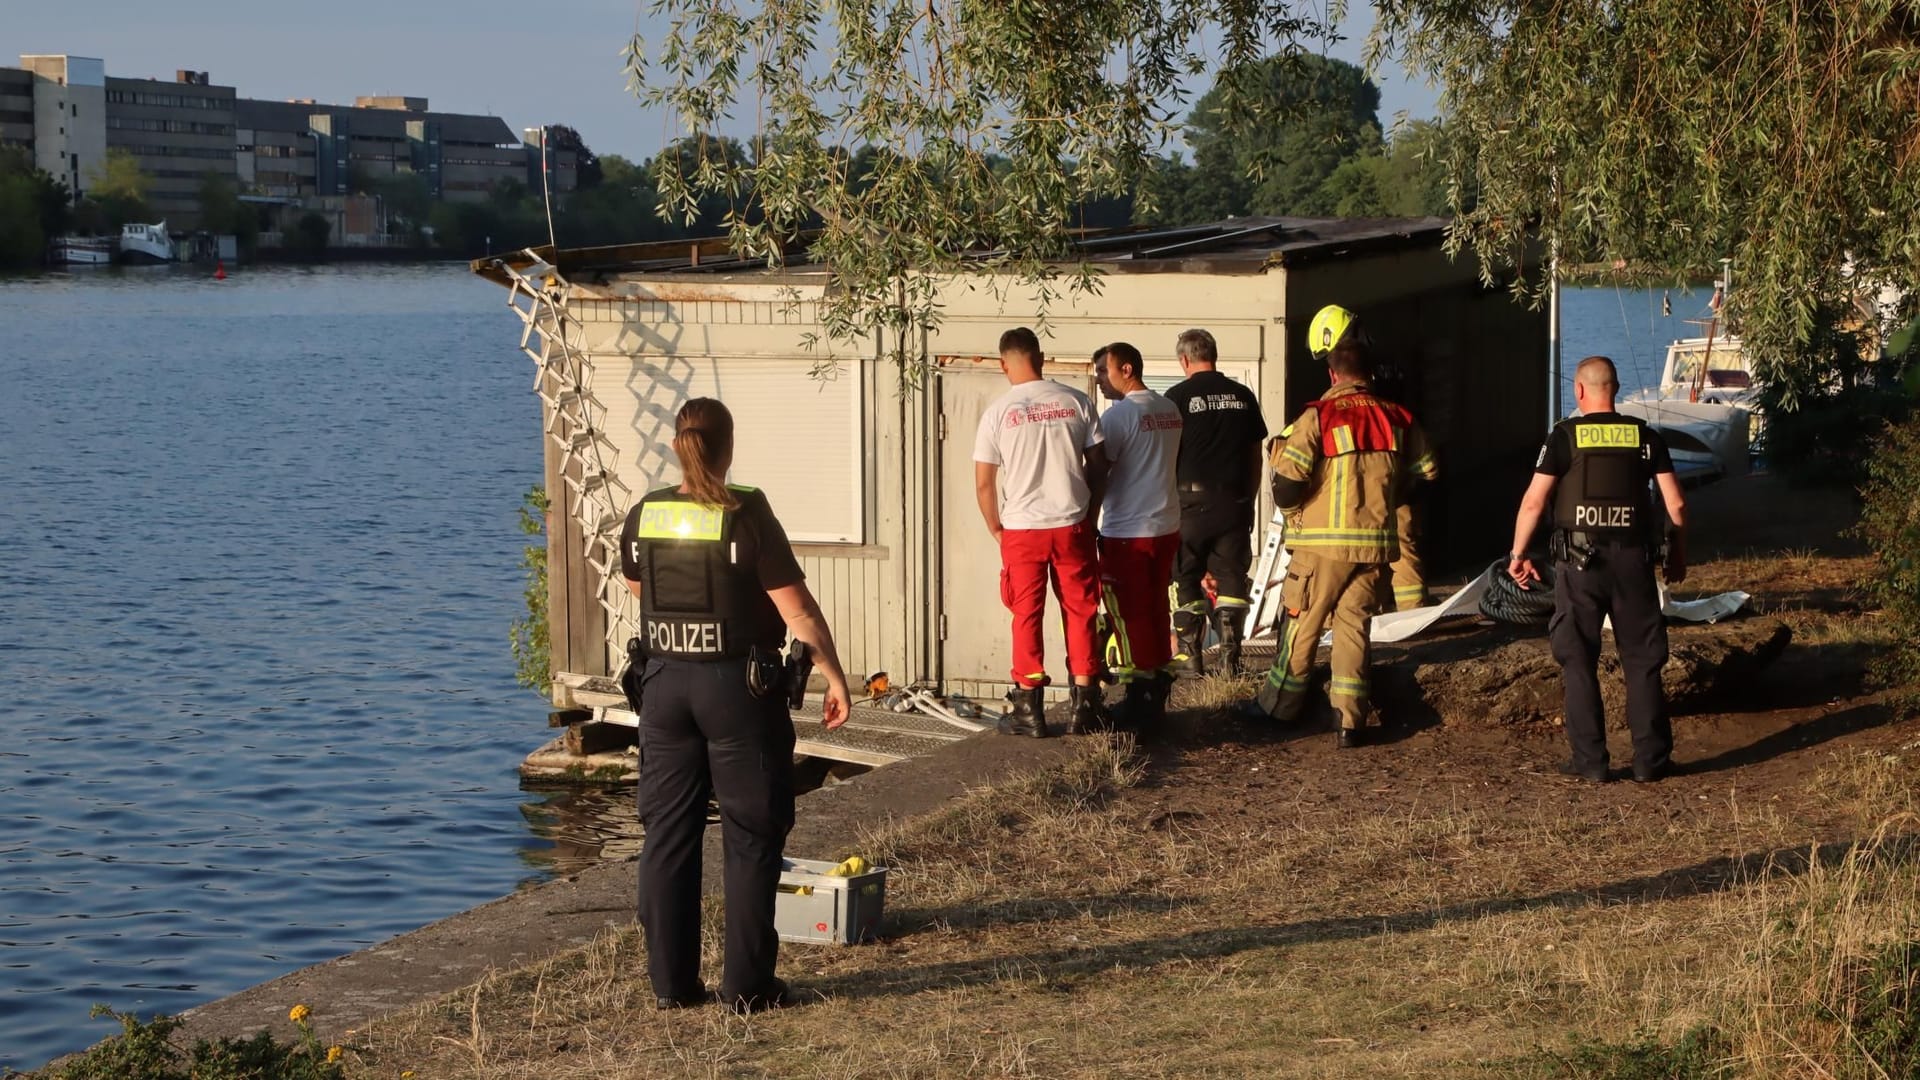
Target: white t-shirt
[[1142, 432], [1036, 433]]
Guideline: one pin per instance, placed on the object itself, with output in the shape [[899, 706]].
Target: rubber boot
[[1134, 710], [1155, 691], [1190, 634], [1229, 622], [1089, 712], [1027, 714]]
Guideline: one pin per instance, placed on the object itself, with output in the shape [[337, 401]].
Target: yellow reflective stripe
[[1297, 458], [1228, 601], [679, 521], [1402, 591], [1342, 473], [1354, 535], [1343, 439], [1347, 687], [1424, 467], [1606, 436], [1121, 645]]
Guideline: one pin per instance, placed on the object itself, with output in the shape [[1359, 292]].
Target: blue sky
[[529, 63]]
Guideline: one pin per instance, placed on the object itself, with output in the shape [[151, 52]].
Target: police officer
[[1218, 475], [1339, 471], [719, 591], [1595, 472]]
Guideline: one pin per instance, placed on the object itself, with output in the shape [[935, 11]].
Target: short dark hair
[[1120, 354], [1349, 359], [1021, 340]]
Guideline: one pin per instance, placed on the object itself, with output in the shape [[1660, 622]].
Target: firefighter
[[1038, 475], [1594, 475], [719, 591], [1219, 477], [1339, 471]]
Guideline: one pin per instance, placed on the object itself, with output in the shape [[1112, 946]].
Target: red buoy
[[219, 271]]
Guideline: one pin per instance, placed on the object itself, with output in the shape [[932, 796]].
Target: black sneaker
[[1597, 774], [773, 997], [686, 1001]]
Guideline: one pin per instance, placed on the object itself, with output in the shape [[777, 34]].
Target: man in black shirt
[[1595, 472], [1218, 475]]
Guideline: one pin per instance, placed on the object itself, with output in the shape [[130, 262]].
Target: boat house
[[872, 474]]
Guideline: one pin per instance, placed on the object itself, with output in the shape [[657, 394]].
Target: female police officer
[[719, 589]]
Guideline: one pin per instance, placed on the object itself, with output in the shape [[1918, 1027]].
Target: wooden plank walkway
[[871, 736]]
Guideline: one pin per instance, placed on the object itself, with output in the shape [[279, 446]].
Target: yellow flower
[[334, 1054], [299, 1013]]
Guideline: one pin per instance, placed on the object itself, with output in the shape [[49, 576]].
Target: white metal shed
[[874, 478]]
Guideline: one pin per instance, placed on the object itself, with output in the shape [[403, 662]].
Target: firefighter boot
[[1134, 710], [1158, 689], [1190, 636], [1089, 713], [1228, 623], [1027, 713]]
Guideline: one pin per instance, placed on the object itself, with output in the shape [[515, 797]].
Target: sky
[[553, 63]]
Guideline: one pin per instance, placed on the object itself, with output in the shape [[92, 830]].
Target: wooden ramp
[[871, 736]]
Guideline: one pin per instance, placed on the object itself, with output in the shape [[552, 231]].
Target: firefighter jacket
[[1349, 460]]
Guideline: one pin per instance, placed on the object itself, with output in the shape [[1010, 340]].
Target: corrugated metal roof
[[1233, 246]]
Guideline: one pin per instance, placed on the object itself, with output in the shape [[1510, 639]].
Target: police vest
[[700, 600], [1605, 490], [1360, 422]]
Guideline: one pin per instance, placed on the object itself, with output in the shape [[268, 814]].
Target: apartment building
[[69, 112], [16, 108]]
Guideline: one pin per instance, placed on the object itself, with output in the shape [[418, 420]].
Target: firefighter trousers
[[1319, 591]]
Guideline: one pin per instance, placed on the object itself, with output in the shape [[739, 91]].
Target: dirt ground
[[1471, 715]]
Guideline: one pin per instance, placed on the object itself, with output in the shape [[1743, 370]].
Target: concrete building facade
[[179, 132], [69, 113], [69, 117]]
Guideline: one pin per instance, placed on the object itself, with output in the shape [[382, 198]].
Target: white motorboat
[[1706, 403], [81, 251], [146, 244]]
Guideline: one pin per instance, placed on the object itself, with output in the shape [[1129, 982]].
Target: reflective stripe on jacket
[[1357, 454]]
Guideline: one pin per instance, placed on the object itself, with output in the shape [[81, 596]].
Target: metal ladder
[[1272, 566], [576, 424]]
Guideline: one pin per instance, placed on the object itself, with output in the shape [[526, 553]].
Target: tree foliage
[[992, 122], [1670, 133], [33, 209]]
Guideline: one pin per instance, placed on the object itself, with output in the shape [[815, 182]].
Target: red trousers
[[1028, 557], [1135, 573]]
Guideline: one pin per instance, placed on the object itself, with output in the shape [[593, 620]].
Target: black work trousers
[[703, 734], [1216, 535], [1618, 583]]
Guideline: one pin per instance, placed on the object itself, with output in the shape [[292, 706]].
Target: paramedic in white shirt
[[1139, 531], [1039, 473]]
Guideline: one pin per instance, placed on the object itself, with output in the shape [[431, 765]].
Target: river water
[[260, 558]]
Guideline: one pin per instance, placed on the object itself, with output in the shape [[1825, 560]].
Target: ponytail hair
[[703, 440]]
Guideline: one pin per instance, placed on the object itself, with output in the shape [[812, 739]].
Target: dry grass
[[1067, 925]]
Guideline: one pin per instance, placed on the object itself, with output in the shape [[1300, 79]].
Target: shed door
[[978, 628]]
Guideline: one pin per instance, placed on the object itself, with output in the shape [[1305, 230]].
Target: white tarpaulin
[[1401, 625]]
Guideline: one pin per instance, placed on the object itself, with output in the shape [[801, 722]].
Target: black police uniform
[[1219, 442], [1606, 538], [704, 575]]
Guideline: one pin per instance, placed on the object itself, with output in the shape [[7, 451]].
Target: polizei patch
[[1602, 517], [687, 637]]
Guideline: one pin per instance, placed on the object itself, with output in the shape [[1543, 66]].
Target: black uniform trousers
[[702, 733], [1618, 583], [1216, 534]]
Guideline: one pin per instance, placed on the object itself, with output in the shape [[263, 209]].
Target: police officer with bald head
[[1594, 477]]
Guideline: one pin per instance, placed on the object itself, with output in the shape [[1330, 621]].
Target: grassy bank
[[1073, 925]]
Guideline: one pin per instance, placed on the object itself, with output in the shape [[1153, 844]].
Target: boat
[[81, 251], [145, 244], [1706, 404]]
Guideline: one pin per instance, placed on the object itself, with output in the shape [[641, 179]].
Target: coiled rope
[[1507, 602]]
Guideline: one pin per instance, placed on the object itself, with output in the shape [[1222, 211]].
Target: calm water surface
[[260, 557]]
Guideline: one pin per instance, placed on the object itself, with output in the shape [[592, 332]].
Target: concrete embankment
[[539, 922]]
